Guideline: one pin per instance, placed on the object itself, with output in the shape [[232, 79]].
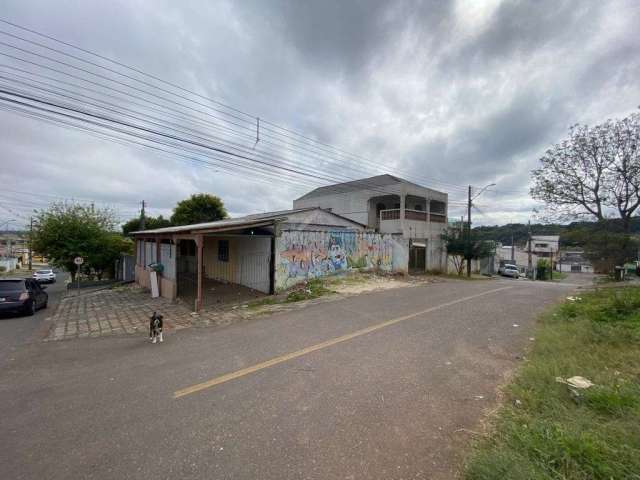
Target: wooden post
[[158, 240], [200, 251]]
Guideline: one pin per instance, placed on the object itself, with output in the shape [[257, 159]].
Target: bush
[[543, 269]]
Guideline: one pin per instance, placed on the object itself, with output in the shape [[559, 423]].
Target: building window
[[223, 250], [418, 208]]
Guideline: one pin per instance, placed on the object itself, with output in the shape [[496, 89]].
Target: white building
[[413, 214]]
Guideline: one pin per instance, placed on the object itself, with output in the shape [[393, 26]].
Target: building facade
[[413, 215]]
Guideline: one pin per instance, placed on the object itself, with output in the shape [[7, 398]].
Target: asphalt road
[[18, 330], [385, 385]]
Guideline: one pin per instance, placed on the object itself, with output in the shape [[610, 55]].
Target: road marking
[[319, 346]]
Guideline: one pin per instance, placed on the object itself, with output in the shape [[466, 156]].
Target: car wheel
[[30, 309]]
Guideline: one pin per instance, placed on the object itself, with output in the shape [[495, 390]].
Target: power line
[[451, 185]]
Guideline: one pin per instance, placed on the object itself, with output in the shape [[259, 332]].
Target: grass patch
[[312, 289], [550, 433], [558, 276]]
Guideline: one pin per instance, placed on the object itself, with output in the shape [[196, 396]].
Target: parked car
[[45, 276], [23, 295], [509, 271]]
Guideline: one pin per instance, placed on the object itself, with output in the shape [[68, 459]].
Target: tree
[[65, 231], [606, 250], [133, 225], [198, 208], [594, 171], [461, 250]]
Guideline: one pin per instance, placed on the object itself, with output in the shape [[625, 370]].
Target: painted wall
[[302, 255], [248, 263]]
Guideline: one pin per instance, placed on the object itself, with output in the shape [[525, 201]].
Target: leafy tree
[[133, 225], [594, 171], [65, 231], [102, 261], [606, 249], [463, 251], [198, 208]]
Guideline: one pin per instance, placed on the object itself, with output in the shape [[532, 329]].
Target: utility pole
[[469, 234], [530, 263], [30, 243], [142, 216], [513, 250]]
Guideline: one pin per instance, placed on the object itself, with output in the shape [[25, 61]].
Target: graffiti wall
[[302, 255]]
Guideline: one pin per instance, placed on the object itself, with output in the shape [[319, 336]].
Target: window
[[418, 208], [223, 250]]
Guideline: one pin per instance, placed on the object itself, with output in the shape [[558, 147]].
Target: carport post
[[199, 248]]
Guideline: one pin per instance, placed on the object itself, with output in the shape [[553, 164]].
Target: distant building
[[545, 246], [573, 261]]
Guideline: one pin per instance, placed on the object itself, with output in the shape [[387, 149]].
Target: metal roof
[[254, 220]]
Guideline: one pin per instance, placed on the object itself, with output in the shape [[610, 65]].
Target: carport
[[210, 263]]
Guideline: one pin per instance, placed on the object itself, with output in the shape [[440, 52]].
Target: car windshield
[[44, 272], [11, 285], [510, 267]]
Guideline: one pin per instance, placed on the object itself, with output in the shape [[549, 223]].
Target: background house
[[414, 215]]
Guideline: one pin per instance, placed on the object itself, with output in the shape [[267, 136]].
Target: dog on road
[[155, 327]]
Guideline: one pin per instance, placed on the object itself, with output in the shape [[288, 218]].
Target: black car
[[22, 295]]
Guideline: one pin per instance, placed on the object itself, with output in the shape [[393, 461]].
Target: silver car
[[509, 271], [44, 276]]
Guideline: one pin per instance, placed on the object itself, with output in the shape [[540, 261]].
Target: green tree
[[133, 225], [65, 231], [593, 172], [463, 250], [199, 208]]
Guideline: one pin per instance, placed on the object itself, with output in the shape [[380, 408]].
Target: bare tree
[[595, 171]]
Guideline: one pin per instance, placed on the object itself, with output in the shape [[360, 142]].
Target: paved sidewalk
[[124, 311]]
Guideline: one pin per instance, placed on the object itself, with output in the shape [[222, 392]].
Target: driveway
[[390, 384]]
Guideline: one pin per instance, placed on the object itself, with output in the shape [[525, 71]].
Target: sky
[[444, 94]]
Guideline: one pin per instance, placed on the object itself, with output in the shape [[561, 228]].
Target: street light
[[471, 199]]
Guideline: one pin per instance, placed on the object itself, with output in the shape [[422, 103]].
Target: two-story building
[[414, 214]]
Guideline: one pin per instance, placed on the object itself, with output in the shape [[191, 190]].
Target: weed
[[554, 434]]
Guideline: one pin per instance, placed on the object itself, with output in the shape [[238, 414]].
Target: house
[[573, 261], [265, 253], [414, 215], [545, 246]]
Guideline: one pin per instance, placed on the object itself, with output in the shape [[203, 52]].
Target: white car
[[44, 276], [509, 271]]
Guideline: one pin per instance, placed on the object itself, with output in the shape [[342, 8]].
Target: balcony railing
[[419, 215]]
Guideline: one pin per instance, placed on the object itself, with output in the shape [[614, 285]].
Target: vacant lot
[[548, 430]]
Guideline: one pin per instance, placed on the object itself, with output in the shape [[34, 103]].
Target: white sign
[[78, 260]]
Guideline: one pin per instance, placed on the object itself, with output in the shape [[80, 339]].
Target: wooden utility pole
[[30, 243], [469, 234]]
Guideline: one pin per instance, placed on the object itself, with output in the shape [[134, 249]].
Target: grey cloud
[[423, 88]]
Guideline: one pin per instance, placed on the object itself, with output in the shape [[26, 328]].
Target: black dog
[[155, 327]]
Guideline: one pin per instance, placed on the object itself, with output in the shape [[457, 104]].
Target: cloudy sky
[[442, 93]]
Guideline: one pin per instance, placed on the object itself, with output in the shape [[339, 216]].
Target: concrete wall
[[8, 264], [303, 255]]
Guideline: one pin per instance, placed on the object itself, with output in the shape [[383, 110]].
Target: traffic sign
[[78, 260]]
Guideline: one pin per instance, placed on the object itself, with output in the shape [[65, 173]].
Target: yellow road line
[[319, 346]]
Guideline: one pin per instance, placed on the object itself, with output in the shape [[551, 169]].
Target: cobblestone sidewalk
[[125, 311]]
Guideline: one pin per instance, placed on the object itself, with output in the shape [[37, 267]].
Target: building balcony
[[417, 223]]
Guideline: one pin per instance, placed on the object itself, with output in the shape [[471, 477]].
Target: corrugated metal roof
[[235, 223]]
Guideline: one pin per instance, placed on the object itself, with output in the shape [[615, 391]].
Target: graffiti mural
[[302, 255]]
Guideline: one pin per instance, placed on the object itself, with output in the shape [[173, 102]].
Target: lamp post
[[469, 204]]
